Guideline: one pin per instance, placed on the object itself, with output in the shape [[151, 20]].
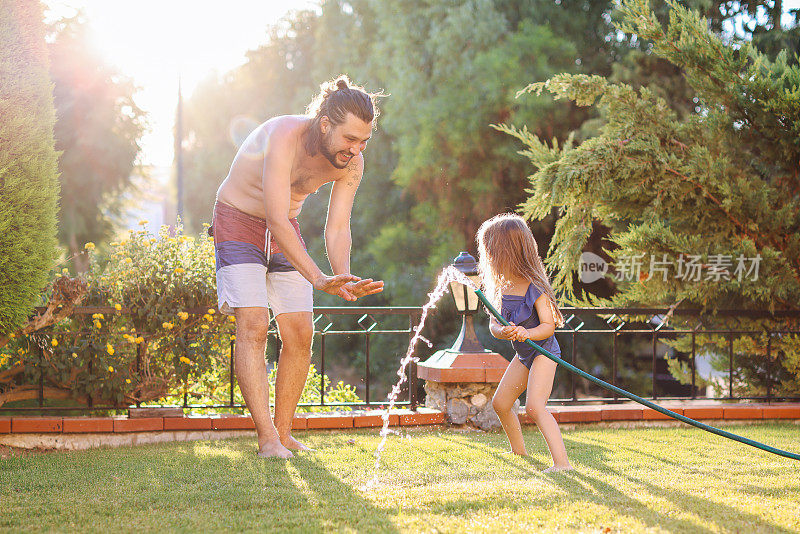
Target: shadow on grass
[[725, 518], [298, 494], [189, 487], [336, 504], [503, 457]]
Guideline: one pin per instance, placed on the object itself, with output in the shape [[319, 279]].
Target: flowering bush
[[155, 335]]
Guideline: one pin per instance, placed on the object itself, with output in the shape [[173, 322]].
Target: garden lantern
[[460, 381], [467, 304], [466, 299]]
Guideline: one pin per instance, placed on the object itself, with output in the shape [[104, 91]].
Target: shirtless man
[[261, 257]]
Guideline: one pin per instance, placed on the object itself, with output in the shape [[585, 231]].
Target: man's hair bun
[[335, 100]]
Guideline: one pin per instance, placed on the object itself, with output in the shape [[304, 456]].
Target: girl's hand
[[519, 333], [513, 333]]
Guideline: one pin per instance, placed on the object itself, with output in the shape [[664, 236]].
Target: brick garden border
[[159, 429]]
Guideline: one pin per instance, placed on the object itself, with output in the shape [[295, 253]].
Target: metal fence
[[616, 327], [367, 320], [621, 323]]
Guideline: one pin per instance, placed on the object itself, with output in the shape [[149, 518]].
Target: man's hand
[[336, 285], [348, 286], [364, 287]]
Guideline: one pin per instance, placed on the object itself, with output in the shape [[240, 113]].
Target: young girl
[[515, 279]]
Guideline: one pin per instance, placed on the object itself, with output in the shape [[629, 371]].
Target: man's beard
[[326, 149]]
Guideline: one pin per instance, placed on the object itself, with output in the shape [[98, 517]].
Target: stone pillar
[[461, 384]]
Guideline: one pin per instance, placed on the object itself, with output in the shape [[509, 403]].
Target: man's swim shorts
[[251, 269]]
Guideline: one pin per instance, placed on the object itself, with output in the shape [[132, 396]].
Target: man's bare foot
[[556, 468], [274, 449], [292, 444]]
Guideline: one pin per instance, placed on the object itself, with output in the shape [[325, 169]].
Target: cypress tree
[[723, 180], [718, 186], [28, 162]]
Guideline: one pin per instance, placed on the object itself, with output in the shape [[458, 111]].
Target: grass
[[677, 479]]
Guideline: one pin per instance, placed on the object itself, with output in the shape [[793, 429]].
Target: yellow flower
[[54, 342], [179, 270], [128, 260], [109, 348], [12, 336], [65, 271], [204, 327], [74, 355], [207, 317], [98, 324], [143, 222], [110, 369], [183, 315], [167, 325], [89, 246], [117, 307], [211, 311], [186, 360], [140, 339], [127, 380], [233, 338], [231, 319]]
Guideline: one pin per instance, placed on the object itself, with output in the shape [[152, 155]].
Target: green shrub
[[157, 338], [28, 162]]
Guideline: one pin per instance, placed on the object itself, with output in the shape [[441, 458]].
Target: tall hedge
[[28, 161]]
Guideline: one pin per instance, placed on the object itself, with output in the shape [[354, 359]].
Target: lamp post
[[467, 304], [461, 380]]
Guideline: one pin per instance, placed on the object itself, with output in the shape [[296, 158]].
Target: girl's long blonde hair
[[506, 247]]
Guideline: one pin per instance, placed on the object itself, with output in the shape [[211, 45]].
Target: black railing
[[368, 326], [618, 323]]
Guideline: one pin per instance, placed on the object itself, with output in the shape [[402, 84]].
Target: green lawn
[[626, 480]]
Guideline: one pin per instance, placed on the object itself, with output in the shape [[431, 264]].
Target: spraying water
[[449, 274]]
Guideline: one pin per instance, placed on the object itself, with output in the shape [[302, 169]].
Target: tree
[[434, 157], [719, 185], [28, 163], [452, 66], [98, 131]]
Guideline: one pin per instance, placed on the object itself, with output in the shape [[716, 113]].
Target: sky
[[155, 42]]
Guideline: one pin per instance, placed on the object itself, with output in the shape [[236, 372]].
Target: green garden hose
[[636, 398]]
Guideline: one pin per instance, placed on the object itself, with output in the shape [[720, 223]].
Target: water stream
[[448, 275]]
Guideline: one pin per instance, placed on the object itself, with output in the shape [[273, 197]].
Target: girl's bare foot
[[290, 443], [556, 468], [274, 449]]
